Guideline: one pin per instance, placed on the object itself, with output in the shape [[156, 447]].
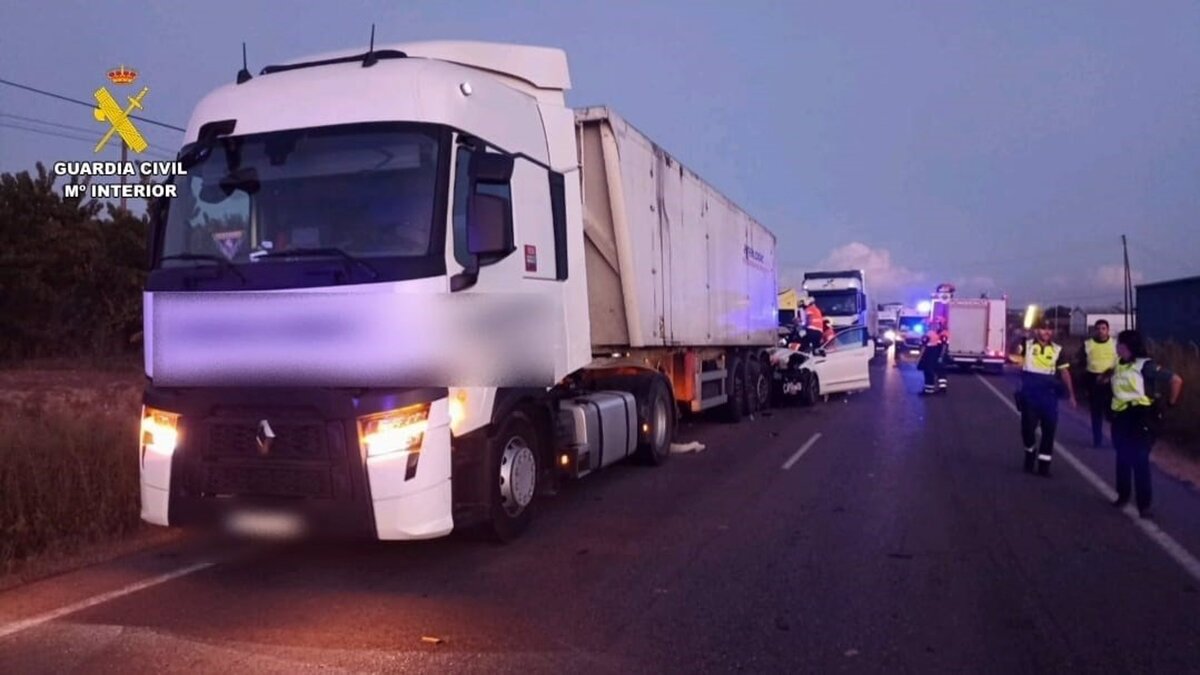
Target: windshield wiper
[[322, 252], [210, 258]]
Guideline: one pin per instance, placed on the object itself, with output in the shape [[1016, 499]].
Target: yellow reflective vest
[[1101, 356], [1129, 386]]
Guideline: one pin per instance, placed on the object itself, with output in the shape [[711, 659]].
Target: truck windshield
[[366, 191], [910, 323], [837, 303]]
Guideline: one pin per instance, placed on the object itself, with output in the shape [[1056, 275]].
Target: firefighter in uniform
[[1135, 381], [1044, 372], [933, 355], [814, 322]]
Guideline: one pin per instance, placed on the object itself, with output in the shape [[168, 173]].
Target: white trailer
[[406, 290], [977, 332]]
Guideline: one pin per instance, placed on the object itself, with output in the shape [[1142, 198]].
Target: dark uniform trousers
[[1040, 408], [1132, 440], [1100, 402]]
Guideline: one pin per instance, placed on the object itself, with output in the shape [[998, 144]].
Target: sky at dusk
[[1002, 146]]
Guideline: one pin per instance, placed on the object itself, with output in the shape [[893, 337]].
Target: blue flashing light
[[919, 328]]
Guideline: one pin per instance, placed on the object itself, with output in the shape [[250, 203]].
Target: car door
[[845, 364]]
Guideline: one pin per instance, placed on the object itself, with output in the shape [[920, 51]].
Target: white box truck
[[978, 332], [406, 290]]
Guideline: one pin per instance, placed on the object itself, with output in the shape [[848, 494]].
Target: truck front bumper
[[315, 479]]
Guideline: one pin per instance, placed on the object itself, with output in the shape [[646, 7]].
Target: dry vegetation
[[68, 468], [1183, 423]]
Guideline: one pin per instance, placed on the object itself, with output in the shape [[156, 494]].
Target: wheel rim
[[660, 425], [518, 476], [763, 390]]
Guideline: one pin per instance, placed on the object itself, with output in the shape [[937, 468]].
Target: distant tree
[[70, 271]]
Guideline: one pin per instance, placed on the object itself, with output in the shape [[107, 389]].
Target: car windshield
[[364, 190], [839, 303]]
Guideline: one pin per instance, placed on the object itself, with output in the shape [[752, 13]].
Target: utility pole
[[1130, 315], [124, 158]]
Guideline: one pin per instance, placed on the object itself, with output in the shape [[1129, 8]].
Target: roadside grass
[[68, 461]]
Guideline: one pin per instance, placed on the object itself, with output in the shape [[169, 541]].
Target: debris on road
[[432, 640], [851, 652], [681, 448]]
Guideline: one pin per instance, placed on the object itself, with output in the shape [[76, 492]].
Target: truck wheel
[[812, 390], [735, 389], [758, 385], [658, 418], [514, 455]]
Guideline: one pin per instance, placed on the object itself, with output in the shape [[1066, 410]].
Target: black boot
[[1043, 467]]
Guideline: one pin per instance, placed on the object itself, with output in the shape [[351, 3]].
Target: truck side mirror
[[489, 226]]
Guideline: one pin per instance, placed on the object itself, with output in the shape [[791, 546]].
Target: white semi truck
[[842, 297], [406, 290]]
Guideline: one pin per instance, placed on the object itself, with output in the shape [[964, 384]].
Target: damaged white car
[[840, 365]]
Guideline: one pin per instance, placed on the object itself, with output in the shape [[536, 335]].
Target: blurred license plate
[[268, 524]]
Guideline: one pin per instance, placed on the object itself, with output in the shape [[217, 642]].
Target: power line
[[161, 154], [34, 120], [85, 103]]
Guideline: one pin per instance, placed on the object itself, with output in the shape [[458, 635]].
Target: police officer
[[1100, 357], [1136, 378], [933, 353], [1044, 369]]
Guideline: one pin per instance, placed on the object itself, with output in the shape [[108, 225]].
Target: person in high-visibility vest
[[1100, 358], [933, 354], [1045, 372], [814, 322], [1135, 381]]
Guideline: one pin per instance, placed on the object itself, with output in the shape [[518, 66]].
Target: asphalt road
[[904, 538]]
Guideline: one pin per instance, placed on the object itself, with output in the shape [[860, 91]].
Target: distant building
[[1170, 310], [1082, 321]]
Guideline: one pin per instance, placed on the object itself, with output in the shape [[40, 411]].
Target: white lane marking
[[1178, 553], [800, 453], [25, 624]]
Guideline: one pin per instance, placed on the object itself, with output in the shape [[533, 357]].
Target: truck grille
[[306, 459], [292, 441], [267, 481]]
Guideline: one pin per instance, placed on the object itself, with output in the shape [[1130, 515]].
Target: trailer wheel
[[735, 389], [658, 403], [513, 457]]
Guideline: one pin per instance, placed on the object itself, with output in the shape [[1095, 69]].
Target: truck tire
[[514, 455], [656, 408], [758, 385], [735, 389]]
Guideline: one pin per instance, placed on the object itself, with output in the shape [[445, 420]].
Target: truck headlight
[[394, 431], [160, 431], [890, 336]]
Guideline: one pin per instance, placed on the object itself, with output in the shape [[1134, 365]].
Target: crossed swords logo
[[119, 120]]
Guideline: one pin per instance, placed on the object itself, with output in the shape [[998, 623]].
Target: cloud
[[973, 285], [885, 278], [1112, 277]]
